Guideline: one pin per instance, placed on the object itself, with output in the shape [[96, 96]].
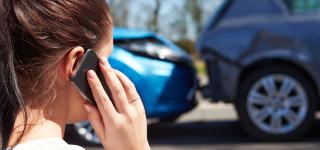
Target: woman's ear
[[72, 59]]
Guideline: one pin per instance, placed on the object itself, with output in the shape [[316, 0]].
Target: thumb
[[95, 119]]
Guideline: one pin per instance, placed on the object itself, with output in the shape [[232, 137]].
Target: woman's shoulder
[[47, 144]]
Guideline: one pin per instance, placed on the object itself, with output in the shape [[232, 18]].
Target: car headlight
[[152, 48]]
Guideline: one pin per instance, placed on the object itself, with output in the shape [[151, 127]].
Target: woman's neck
[[39, 126]]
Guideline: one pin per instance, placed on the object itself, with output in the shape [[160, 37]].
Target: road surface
[[215, 127]]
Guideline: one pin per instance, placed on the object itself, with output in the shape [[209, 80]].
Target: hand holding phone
[[122, 125], [90, 61]]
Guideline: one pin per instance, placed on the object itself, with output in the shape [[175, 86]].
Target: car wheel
[[276, 103], [82, 133]]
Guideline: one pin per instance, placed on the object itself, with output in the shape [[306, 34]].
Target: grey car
[[263, 56]]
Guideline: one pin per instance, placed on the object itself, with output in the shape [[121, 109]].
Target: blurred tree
[[195, 10], [179, 25], [155, 15], [178, 20], [120, 16]]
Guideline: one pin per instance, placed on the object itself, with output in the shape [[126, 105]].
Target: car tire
[[255, 119], [74, 135]]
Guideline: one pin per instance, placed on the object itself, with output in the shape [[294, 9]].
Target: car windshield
[[303, 6]]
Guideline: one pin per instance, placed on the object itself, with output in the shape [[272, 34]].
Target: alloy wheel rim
[[277, 104], [85, 130]]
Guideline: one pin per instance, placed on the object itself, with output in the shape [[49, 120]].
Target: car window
[[303, 6]]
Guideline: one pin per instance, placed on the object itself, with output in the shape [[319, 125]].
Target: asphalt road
[[215, 127]]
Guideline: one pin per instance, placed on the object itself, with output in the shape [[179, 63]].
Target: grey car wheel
[[276, 103]]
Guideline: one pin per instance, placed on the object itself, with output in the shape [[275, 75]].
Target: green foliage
[[187, 45], [200, 67]]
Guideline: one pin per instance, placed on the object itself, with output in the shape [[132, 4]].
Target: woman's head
[[41, 42]]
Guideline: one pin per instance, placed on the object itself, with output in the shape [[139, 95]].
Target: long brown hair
[[34, 35]]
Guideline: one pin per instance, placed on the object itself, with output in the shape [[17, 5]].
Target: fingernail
[[87, 108], [91, 74]]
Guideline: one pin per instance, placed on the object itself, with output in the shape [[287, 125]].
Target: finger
[[104, 103], [118, 94], [128, 86], [95, 119], [131, 91]]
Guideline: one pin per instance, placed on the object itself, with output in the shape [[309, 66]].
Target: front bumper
[[166, 88], [223, 78]]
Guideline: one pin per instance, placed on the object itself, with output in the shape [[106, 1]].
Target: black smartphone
[[90, 61]]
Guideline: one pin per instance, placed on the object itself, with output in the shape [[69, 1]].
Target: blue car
[[163, 74]]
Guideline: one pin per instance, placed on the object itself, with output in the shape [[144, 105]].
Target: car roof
[[247, 8]]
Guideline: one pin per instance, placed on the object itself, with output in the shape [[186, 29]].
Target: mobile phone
[[90, 61]]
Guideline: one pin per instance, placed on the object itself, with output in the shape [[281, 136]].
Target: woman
[[41, 43]]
